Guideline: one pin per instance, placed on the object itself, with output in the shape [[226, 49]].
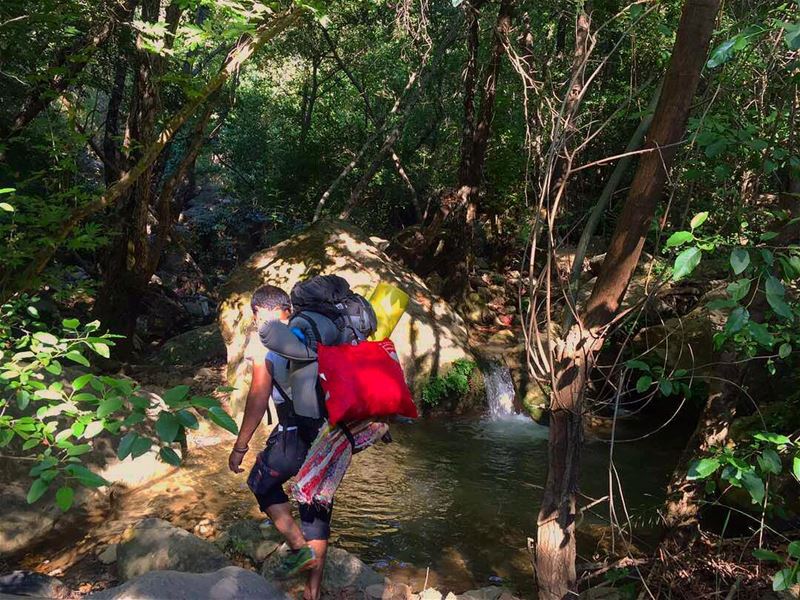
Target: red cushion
[[363, 381]]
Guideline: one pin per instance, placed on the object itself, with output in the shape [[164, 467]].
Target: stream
[[452, 501]]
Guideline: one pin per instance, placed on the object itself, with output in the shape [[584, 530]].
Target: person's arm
[[256, 406]]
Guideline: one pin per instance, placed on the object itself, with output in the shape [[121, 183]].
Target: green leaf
[[785, 350], [80, 382], [722, 53], [77, 357], [126, 444], [167, 426], [767, 555], [637, 364], [665, 386], [54, 368], [92, 429], [85, 476], [141, 446], [773, 438], [109, 406], [5, 206], [796, 467], [738, 289], [791, 35], [754, 485], [770, 462], [168, 455], [782, 580], [794, 549], [700, 469], [643, 383], [79, 450], [7, 191], [46, 338], [698, 220], [774, 286], [70, 324], [779, 306], [203, 402], [31, 443], [760, 333], [64, 498], [678, 238], [101, 348], [686, 262], [187, 419], [768, 235], [740, 260], [223, 419], [176, 395], [37, 490], [737, 319]]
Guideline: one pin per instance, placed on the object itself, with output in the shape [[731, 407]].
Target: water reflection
[[461, 496]]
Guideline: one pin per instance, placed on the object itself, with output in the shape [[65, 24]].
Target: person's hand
[[235, 460]]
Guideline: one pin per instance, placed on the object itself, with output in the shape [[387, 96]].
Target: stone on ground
[[30, 584], [250, 538], [156, 545], [228, 583], [199, 346], [343, 572], [429, 336]]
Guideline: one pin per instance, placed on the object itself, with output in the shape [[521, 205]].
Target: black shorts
[[282, 458]]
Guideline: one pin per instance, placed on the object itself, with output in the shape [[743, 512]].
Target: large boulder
[[429, 336], [199, 346], [156, 545], [224, 584], [31, 584]]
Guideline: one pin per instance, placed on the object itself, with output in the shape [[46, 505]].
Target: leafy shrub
[[452, 385], [52, 421]]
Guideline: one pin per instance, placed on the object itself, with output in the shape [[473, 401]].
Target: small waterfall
[[499, 390]]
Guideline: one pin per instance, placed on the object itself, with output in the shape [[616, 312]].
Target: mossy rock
[[429, 336], [199, 346]]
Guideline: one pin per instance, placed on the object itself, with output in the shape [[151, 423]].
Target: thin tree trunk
[[309, 99], [574, 356], [13, 282], [410, 94], [605, 197]]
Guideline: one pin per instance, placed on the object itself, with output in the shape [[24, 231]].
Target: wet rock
[[390, 591], [30, 584], [225, 584], [156, 545], [251, 539], [429, 336], [343, 571], [108, 555], [198, 346], [487, 593]]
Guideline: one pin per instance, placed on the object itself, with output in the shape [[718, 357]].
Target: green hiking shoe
[[294, 563]]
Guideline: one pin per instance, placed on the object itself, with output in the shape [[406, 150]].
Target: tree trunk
[[574, 359]]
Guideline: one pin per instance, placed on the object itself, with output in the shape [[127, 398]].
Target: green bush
[[452, 385], [51, 418]]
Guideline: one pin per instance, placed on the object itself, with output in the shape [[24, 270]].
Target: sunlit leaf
[[698, 220], [700, 469], [686, 262], [679, 237]]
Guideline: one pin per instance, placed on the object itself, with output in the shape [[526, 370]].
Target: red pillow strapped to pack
[[363, 381]]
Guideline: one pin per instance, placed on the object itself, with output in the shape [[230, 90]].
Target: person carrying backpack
[[286, 447]]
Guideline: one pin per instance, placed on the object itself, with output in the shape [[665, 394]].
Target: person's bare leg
[[281, 515], [314, 582]]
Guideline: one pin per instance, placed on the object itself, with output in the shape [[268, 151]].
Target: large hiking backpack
[[331, 296]]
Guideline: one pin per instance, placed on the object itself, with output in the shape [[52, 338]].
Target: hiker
[[286, 446]]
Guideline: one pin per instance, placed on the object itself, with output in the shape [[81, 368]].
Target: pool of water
[[459, 497]]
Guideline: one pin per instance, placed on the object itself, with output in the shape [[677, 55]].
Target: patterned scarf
[[328, 460]]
